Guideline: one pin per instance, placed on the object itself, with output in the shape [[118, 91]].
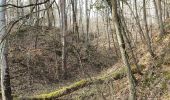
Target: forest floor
[[35, 56], [154, 84]]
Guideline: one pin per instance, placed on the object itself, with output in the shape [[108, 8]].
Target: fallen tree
[[80, 84]]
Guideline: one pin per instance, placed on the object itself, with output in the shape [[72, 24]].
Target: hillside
[[35, 55], [152, 85], [85, 49], [33, 65]]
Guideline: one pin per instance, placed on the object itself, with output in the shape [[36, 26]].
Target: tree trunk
[[49, 13], [159, 16], [138, 22], [127, 38], [116, 20], [75, 24], [81, 18], [5, 78], [148, 41], [87, 23], [64, 28]]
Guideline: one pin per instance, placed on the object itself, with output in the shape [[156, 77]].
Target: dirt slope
[[35, 56]]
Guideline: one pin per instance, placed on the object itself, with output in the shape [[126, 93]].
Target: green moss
[[167, 59], [167, 75], [61, 91], [82, 83], [149, 78], [160, 38], [148, 81], [167, 26], [120, 73], [134, 69], [115, 75], [164, 86]]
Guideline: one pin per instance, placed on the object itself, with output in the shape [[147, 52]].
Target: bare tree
[[138, 21], [5, 77], [159, 15], [74, 12], [49, 13], [64, 28], [116, 21], [87, 22], [148, 40]]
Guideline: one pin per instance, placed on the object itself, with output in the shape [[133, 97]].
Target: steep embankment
[[35, 57], [153, 84]]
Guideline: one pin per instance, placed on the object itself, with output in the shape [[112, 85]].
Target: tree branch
[[25, 5]]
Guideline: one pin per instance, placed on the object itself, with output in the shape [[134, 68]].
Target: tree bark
[[75, 24], [159, 16], [64, 28], [5, 77], [125, 32], [138, 22], [148, 40], [87, 22], [49, 14], [116, 21]]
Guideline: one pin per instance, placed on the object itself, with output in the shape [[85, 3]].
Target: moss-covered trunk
[[119, 74]]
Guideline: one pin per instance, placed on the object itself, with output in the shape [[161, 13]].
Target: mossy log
[[80, 84], [60, 92]]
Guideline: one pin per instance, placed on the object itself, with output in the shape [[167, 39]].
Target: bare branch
[[25, 5]]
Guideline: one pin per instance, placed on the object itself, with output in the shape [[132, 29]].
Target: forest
[[85, 49]]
